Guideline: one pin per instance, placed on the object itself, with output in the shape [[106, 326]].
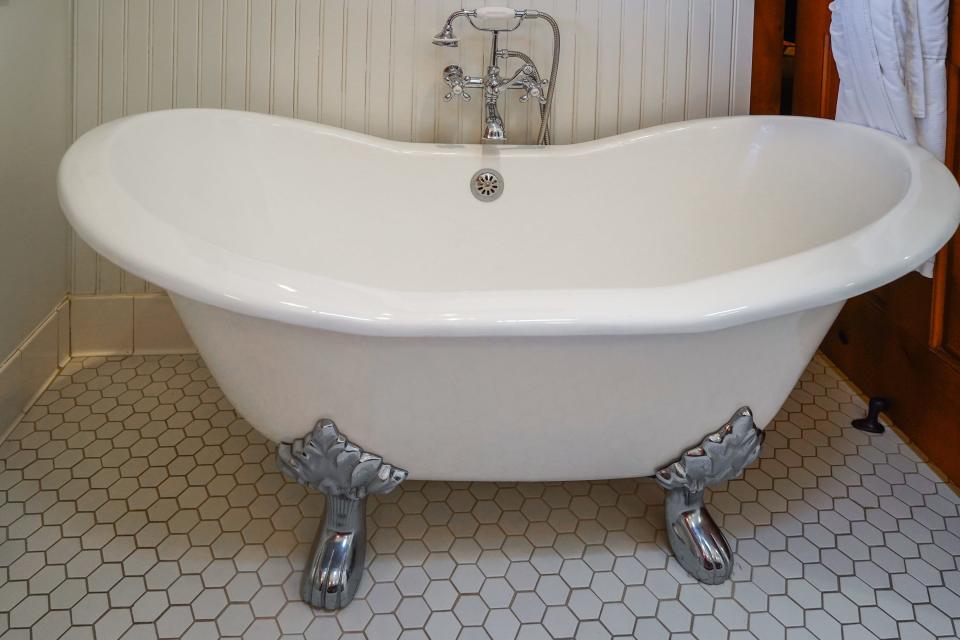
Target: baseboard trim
[[126, 325], [27, 372], [133, 324]]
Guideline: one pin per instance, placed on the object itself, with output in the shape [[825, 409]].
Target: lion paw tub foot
[[326, 461], [695, 538]]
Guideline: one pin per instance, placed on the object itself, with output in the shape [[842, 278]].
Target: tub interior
[[658, 208]]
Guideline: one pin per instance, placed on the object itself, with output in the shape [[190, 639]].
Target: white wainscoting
[[368, 65]]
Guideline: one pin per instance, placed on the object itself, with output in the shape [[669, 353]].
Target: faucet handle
[[535, 90], [454, 77], [457, 90]]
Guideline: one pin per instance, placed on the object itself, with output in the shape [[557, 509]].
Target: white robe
[[891, 56]]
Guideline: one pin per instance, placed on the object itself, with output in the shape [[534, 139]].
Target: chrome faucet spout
[[493, 130]]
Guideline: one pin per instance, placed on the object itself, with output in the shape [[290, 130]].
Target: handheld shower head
[[446, 37]]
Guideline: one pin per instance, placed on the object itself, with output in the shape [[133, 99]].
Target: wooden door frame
[[946, 257]]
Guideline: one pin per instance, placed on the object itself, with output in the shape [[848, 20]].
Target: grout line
[[133, 326]]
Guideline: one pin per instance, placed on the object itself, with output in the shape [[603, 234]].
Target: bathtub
[[618, 301]]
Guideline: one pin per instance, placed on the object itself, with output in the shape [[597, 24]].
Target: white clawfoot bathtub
[[618, 302], [619, 299]]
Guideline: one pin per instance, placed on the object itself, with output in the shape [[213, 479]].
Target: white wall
[[368, 65], [35, 76]]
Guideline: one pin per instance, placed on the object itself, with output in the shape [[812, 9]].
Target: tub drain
[[486, 185]]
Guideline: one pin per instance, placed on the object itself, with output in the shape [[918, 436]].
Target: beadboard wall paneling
[[368, 65]]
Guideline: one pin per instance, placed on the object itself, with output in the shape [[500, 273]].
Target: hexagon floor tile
[[134, 503]]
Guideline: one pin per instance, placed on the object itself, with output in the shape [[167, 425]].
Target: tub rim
[[118, 228]]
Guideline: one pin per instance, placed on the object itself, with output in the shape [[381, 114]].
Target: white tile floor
[[135, 504]]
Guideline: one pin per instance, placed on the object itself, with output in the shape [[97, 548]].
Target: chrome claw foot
[[326, 461], [333, 573], [695, 538]]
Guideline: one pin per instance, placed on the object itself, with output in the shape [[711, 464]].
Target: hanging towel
[[891, 56]]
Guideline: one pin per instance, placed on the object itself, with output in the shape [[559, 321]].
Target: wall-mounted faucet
[[526, 78]]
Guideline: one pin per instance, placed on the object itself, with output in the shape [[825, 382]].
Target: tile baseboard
[[26, 372], [126, 324]]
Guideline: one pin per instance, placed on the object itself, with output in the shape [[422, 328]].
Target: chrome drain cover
[[486, 185]]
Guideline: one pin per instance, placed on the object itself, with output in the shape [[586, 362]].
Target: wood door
[[815, 80], [903, 340], [767, 73]]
